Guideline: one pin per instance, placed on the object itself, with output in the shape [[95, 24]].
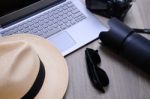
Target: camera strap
[[143, 31]]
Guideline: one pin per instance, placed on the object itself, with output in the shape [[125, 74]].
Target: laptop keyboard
[[49, 22]]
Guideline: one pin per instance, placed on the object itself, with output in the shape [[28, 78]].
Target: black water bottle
[[126, 42]]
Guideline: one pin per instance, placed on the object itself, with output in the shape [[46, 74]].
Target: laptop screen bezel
[[23, 12]]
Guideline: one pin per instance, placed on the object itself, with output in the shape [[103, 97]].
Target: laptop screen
[[11, 10]]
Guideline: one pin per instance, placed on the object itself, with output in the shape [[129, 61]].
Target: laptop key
[[50, 22]]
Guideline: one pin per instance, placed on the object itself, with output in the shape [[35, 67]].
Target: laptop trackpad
[[62, 40]]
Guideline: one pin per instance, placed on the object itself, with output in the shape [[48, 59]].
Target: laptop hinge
[[26, 12]]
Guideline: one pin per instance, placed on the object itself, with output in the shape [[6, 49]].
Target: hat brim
[[56, 78]]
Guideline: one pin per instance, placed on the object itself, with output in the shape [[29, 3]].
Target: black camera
[[109, 8], [127, 43]]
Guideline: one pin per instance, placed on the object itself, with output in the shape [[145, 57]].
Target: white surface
[[64, 38], [81, 33], [85, 31]]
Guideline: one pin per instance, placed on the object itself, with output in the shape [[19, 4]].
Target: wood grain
[[126, 81]]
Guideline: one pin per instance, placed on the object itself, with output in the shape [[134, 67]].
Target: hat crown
[[19, 66]]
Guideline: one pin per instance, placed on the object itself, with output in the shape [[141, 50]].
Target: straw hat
[[30, 68]]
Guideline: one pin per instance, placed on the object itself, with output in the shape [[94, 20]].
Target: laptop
[[67, 24]]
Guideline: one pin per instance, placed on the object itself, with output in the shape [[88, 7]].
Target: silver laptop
[[65, 23]]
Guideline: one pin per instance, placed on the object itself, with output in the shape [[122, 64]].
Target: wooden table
[[126, 82]]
